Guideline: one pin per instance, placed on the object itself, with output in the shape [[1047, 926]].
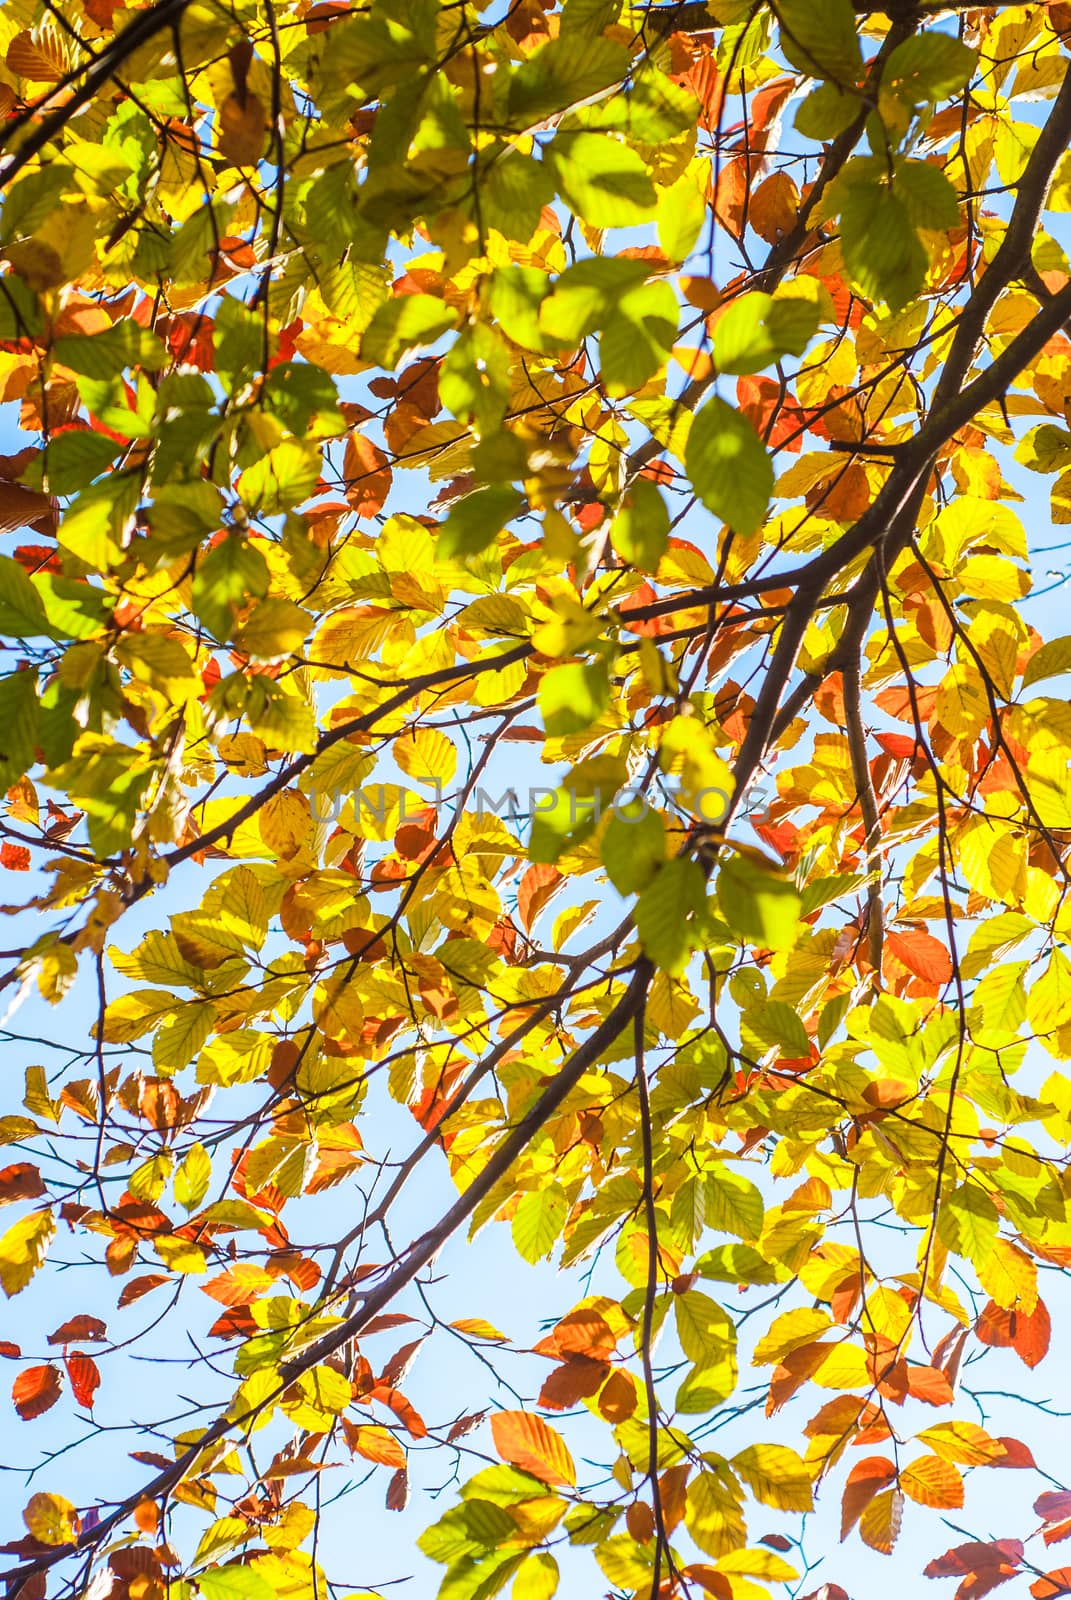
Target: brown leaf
[[20, 1181], [36, 1390], [242, 126], [79, 1328], [21, 507], [398, 1491], [138, 1286], [573, 1381], [42, 59]]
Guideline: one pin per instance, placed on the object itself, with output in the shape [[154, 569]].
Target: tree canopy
[[525, 711]]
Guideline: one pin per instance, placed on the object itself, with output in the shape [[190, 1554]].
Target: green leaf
[[72, 460], [637, 338], [22, 610], [758, 902], [562, 72], [236, 1582], [633, 847], [827, 111], [476, 521], [1045, 448], [640, 530], [233, 572], [881, 249], [733, 1203], [474, 378], [929, 66], [706, 1332], [19, 716], [662, 913], [573, 696], [283, 478], [538, 1222], [106, 355], [405, 323], [758, 329], [729, 467], [607, 184], [735, 1263], [821, 38], [929, 198], [1051, 661]]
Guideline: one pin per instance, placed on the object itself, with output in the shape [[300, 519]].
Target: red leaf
[[982, 1566], [21, 1181], [85, 1378], [1054, 1505], [1027, 1335], [36, 1389], [10, 1350], [923, 955], [15, 857], [78, 1328]]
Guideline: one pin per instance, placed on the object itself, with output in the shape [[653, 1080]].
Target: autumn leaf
[[35, 1390], [525, 1441]]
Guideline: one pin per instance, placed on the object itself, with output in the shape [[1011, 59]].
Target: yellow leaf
[[775, 1475], [933, 1482], [1009, 1277], [23, 1249]]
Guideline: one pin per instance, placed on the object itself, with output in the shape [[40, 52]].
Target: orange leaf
[[367, 473], [21, 1181], [584, 1333], [1028, 1335], [401, 1408], [933, 1482], [85, 1378], [866, 1478], [574, 1380], [618, 1401], [375, 1444], [15, 857], [36, 1389], [527, 1442], [539, 884], [1053, 1583], [923, 955], [710, 1580]]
